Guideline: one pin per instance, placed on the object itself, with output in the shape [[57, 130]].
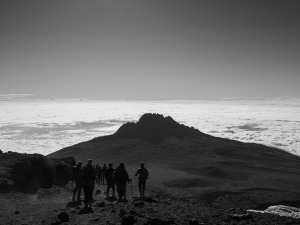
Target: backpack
[[89, 175], [143, 174]]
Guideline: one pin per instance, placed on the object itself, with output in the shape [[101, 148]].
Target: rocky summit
[[154, 128]]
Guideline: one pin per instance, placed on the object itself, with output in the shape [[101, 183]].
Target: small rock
[[122, 212], [101, 204], [236, 216], [17, 212], [132, 212], [139, 203], [98, 192], [194, 222], [56, 222], [232, 209], [128, 220], [149, 199], [86, 211], [63, 217], [157, 221]]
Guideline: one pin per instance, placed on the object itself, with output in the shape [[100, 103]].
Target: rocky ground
[[48, 205]]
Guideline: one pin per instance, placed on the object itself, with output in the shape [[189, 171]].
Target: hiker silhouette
[[77, 177], [99, 175], [121, 178], [109, 176], [89, 177], [104, 168], [143, 176]]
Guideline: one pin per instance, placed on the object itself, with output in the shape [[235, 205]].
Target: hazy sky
[[155, 49]]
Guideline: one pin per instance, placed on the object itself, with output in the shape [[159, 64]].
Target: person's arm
[[94, 174], [128, 180], [137, 172]]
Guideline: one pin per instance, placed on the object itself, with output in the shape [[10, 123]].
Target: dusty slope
[[45, 206], [199, 166]]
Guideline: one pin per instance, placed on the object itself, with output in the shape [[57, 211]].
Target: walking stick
[[131, 189]]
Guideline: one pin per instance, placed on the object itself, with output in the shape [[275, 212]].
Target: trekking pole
[[131, 189]]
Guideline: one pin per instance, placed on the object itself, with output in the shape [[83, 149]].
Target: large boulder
[[63, 170], [26, 172], [30, 172]]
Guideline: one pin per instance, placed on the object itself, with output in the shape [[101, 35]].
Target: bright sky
[[139, 49]]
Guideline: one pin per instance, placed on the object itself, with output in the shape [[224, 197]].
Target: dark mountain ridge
[[154, 128], [185, 162]]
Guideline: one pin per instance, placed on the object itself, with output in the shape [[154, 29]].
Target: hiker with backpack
[[143, 176], [104, 168], [77, 177], [99, 175], [109, 176], [89, 177], [121, 179]]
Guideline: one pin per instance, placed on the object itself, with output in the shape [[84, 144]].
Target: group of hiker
[[86, 176]]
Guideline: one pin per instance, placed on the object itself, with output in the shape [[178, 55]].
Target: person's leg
[[124, 193], [79, 192], [92, 192], [113, 189], [140, 188], [143, 187], [107, 190], [74, 192], [119, 193], [85, 191]]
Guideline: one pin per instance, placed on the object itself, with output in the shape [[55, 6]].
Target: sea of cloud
[[44, 126]]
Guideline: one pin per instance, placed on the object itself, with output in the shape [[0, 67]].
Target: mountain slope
[[188, 163]]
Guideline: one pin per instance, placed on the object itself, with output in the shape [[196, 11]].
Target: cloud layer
[[15, 97], [47, 126]]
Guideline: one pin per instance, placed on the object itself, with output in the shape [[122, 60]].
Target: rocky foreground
[[30, 172], [54, 206]]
